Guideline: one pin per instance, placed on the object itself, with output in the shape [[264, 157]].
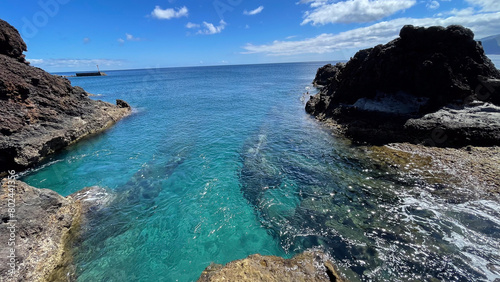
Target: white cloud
[[210, 28], [168, 14], [352, 11], [483, 24], [130, 37], [253, 12], [121, 41], [486, 5], [433, 5], [192, 25], [35, 61], [463, 12], [86, 40], [74, 63], [314, 3]]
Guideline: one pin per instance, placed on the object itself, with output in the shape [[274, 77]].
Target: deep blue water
[[217, 163]]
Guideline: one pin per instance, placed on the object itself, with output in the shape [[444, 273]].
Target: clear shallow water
[[218, 163]]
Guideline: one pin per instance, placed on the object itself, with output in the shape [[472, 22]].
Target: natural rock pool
[[218, 163]]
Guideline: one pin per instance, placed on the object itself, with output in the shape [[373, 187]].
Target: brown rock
[[308, 266]]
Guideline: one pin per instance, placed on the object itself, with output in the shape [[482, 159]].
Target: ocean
[[217, 163]]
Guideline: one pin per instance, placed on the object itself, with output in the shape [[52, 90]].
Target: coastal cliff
[[432, 86], [42, 113]]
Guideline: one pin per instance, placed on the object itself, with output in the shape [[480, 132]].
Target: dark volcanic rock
[[374, 94], [11, 43], [41, 113], [460, 125], [328, 74], [122, 104]]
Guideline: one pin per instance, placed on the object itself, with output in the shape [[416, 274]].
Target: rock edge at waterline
[[42, 113], [38, 227], [310, 266], [432, 86]]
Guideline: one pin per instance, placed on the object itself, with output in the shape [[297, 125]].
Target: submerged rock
[[41, 113], [308, 266], [37, 227], [374, 94], [458, 175]]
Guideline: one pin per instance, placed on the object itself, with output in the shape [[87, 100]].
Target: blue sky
[[70, 35]]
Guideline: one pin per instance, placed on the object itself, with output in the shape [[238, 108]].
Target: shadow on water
[[146, 184], [375, 223], [131, 203]]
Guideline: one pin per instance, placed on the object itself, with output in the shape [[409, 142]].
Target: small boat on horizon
[[98, 73]]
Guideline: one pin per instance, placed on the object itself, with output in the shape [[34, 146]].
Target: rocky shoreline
[[42, 113], [432, 100], [426, 103], [40, 226], [432, 86]]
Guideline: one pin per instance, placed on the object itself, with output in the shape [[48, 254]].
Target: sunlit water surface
[[217, 163]]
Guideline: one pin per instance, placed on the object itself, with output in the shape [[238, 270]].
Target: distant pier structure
[[98, 73]]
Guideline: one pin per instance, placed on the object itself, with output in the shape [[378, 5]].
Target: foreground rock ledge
[[36, 230], [41, 113], [308, 266], [432, 86]]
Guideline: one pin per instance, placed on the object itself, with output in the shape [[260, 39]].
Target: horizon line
[[204, 66]]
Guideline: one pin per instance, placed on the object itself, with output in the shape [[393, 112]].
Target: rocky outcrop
[[308, 266], [37, 227], [328, 74], [375, 94], [41, 113], [11, 44]]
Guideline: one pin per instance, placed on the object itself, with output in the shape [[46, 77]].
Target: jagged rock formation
[[311, 266], [37, 227], [374, 95], [11, 44], [41, 113]]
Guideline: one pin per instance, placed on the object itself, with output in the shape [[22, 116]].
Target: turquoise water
[[217, 163]]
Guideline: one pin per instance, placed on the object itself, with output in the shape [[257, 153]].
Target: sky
[[77, 35]]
